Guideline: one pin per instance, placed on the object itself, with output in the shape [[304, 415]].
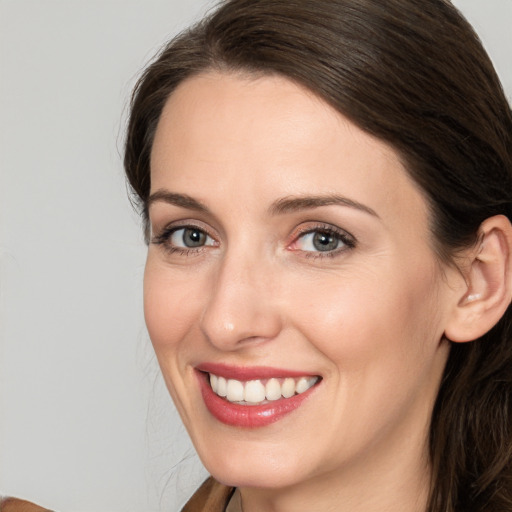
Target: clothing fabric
[[235, 503], [212, 496], [16, 505]]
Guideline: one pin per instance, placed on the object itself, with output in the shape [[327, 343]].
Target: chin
[[256, 467], [254, 477]]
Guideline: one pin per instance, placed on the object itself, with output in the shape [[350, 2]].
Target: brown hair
[[414, 74]]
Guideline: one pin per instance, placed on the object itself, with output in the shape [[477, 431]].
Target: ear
[[487, 292]]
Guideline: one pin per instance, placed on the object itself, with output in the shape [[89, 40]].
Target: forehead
[[271, 137]]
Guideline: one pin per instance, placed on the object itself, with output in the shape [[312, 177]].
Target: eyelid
[[176, 243], [346, 238], [164, 234], [181, 224]]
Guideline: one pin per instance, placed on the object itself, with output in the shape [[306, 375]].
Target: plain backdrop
[[85, 422]]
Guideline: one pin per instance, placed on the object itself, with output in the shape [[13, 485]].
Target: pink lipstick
[[253, 397]]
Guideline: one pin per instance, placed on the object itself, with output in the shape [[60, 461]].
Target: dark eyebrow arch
[[279, 207], [181, 200], [293, 204]]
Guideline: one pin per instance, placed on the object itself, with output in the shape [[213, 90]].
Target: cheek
[[171, 306], [381, 352], [367, 320], [171, 310]]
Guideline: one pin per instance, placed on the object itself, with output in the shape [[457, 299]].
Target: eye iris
[[324, 241], [193, 237]]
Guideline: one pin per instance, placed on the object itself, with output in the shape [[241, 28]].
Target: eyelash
[[164, 238], [348, 241], [345, 238]]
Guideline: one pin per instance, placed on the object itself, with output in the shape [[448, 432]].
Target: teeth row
[[254, 391]]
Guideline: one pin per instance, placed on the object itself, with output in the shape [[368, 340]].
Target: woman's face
[[290, 249]]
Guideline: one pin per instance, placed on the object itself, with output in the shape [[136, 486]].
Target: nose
[[242, 305]]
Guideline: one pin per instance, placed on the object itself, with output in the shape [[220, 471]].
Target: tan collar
[[212, 496], [235, 503]]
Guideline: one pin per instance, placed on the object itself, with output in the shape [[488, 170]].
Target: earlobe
[[488, 278]]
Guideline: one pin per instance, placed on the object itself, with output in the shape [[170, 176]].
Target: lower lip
[[249, 416]]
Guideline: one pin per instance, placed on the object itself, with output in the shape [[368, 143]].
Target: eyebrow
[[181, 200], [279, 207], [293, 204]]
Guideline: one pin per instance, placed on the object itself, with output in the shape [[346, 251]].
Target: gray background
[[85, 424]]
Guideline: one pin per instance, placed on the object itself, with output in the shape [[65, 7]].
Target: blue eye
[[323, 241], [319, 241], [190, 238], [184, 240]]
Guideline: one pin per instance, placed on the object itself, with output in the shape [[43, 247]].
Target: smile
[[253, 397], [259, 391]]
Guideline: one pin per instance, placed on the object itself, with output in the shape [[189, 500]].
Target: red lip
[[245, 373], [249, 416]]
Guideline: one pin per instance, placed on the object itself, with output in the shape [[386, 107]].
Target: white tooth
[[235, 391], [221, 386], [273, 389], [288, 388], [305, 383], [213, 382], [254, 391]]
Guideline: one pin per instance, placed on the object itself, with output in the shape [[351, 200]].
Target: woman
[[326, 188]]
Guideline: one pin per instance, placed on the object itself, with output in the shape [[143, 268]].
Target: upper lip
[[244, 373]]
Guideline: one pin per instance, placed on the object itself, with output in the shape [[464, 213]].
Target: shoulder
[[212, 496]]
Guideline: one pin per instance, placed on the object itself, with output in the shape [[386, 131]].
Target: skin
[[368, 319]]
